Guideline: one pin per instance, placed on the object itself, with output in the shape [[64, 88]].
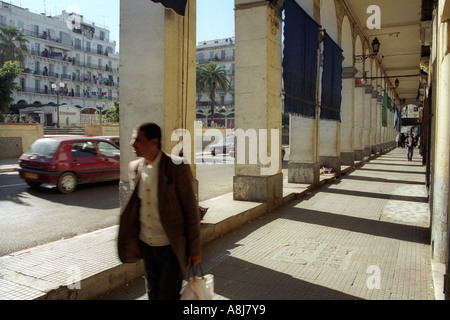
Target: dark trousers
[[410, 153], [163, 274]]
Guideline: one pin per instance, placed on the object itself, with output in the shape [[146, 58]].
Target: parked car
[[113, 139], [225, 145], [69, 161]]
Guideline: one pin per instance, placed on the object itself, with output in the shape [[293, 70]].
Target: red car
[[69, 161]]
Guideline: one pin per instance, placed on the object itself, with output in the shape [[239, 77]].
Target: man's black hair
[[151, 131]]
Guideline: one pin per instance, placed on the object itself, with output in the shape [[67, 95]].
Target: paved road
[[31, 217]]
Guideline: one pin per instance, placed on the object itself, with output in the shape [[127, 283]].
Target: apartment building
[[221, 51], [70, 62]]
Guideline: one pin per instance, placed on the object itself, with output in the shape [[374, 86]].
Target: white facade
[[64, 49], [221, 51]]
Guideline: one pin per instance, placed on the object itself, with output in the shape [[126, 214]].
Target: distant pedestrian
[[398, 139], [403, 139], [161, 221], [410, 142]]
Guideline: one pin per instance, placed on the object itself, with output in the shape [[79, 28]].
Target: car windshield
[[43, 148]]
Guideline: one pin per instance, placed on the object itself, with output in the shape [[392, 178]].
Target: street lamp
[[58, 92], [375, 47], [100, 109]]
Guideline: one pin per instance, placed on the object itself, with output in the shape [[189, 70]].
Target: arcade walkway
[[365, 236]]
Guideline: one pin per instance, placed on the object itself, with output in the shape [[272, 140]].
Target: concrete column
[[304, 166], [391, 137], [367, 119], [258, 103], [347, 117], [359, 122], [379, 136], [439, 234], [374, 123], [330, 145], [157, 75]]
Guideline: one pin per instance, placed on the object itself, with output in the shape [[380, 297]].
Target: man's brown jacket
[[178, 209]]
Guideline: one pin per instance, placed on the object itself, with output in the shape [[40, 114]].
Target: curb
[[8, 169]]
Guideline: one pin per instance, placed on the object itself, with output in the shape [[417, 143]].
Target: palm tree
[[12, 44], [213, 78]]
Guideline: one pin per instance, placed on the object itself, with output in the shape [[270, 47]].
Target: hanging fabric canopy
[[396, 119], [179, 6], [301, 43], [384, 110], [330, 108]]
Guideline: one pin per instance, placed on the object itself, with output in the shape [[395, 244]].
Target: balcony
[[68, 94], [58, 56], [55, 40]]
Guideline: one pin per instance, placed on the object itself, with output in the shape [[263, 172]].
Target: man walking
[[160, 221], [410, 146]]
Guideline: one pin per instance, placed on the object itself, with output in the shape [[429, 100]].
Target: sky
[[215, 18]]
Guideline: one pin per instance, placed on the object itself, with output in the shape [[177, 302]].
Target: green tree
[[8, 73], [213, 78], [112, 115], [12, 44]]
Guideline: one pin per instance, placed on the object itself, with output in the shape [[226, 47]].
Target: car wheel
[[33, 184], [67, 182]]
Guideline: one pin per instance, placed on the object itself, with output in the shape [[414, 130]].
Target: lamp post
[[376, 49], [100, 109], [58, 92]]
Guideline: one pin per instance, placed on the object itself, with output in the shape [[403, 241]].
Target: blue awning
[[179, 6], [301, 44], [330, 108]]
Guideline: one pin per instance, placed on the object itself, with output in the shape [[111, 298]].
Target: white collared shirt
[[152, 231]]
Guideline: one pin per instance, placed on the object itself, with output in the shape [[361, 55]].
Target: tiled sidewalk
[[364, 237]]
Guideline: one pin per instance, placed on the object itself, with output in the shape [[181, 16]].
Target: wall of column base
[[267, 189], [331, 162], [378, 149], [347, 158], [304, 173], [358, 155]]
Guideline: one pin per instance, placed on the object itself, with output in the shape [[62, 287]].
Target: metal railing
[[68, 94]]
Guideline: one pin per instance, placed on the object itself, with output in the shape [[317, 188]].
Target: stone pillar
[[330, 145], [359, 122], [391, 136], [367, 119], [304, 166], [374, 123], [157, 75], [258, 103], [439, 227], [347, 116], [379, 135]]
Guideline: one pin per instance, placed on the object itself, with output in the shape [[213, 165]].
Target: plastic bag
[[199, 287]]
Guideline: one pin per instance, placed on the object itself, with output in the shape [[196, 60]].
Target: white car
[[224, 146]]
